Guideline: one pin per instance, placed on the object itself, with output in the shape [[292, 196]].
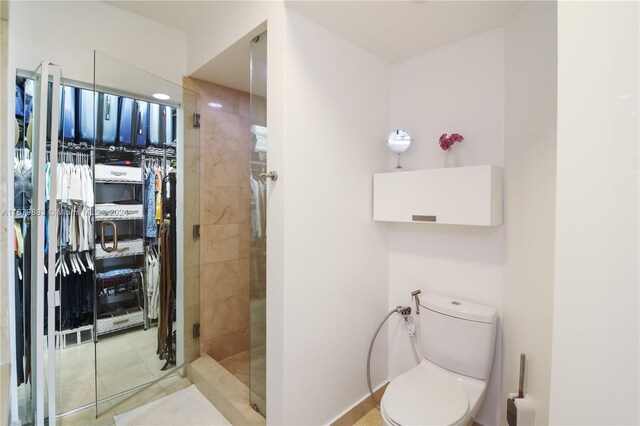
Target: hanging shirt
[[151, 228], [158, 173], [153, 279], [86, 240], [18, 238], [22, 190]]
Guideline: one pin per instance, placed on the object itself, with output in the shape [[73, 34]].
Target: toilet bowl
[[430, 395], [457, 339]]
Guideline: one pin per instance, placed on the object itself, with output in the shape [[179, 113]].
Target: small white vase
[[451, 157]]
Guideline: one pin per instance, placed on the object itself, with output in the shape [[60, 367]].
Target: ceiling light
[[161, 96], [214, 105]]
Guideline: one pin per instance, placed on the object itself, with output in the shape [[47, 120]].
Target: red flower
[[455, 137], [446, 141]]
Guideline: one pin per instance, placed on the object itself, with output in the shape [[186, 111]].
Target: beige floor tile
[[111, 345], [88, 418], [174, 383], [73, 393], [75, 355], [127, 378], [144, 396], [155, 364], [142, 337], [372, 418], [110, 364]]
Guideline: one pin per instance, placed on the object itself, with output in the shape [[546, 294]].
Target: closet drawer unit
[[132, 318], [111, 211], [117, 174], [125, 248]]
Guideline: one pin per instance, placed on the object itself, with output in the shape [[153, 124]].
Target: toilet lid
[[425, 397]]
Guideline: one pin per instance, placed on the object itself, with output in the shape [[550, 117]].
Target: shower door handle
[[271, 175], [115, 237]]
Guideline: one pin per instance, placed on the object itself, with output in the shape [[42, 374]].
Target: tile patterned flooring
[[125, 403], [123, 361]]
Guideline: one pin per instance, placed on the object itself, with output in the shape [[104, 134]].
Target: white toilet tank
[[458, 335]]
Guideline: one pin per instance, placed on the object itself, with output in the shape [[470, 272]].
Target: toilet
[[457, 340]]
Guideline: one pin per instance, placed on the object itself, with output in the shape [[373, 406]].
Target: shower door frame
[[47, 72]]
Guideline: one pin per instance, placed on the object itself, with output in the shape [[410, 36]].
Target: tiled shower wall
[[224, 218]]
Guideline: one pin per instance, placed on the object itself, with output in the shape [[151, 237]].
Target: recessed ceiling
[[181, 15], [398, 30], [392, 30], [232, 67]]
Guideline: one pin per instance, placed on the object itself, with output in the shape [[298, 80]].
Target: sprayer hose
[[373, 340]]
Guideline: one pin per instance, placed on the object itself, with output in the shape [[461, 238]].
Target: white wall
[[67, 32], [222, 23], [529, 224], [456, 88], [596, 324], [336, 109]]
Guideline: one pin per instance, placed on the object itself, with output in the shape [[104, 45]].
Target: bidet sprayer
[[414, 295]]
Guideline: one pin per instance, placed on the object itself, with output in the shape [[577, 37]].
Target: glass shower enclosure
[[258, 239]]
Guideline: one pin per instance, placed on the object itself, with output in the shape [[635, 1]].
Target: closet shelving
[[119, 214], [119, 160], [123, 189]]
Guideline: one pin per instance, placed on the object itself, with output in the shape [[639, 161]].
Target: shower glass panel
[[146, 217], [72, 304], [258, 260], [29, 95]]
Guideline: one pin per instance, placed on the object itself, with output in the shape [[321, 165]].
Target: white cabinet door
[[459, 196], [396, 196]]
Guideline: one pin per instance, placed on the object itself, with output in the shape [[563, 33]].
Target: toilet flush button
[[455, 302]]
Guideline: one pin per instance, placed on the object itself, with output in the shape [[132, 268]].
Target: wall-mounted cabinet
[[456, 196]]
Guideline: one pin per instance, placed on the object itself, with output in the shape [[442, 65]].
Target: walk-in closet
[[106, 213]]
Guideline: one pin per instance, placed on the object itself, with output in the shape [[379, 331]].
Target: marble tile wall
[[224, 218]]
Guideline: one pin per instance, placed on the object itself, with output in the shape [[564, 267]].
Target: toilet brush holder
[[520, 411], [520, 408]]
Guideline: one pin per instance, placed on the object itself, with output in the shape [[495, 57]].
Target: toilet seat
[[423, 396]]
